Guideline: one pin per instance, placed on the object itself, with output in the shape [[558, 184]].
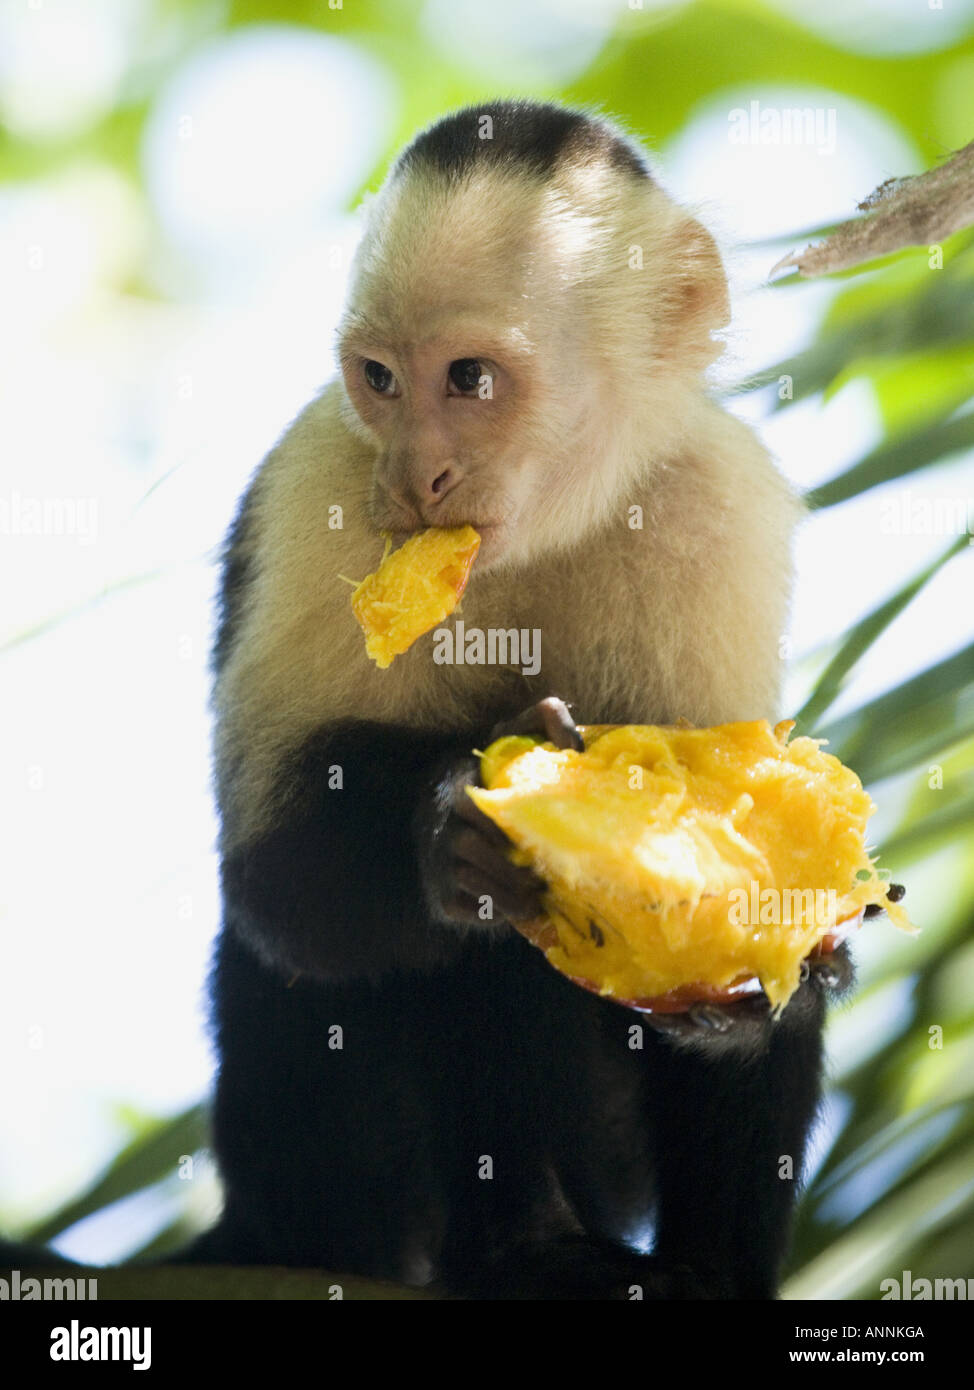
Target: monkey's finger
[[468, 810], [505, 902], [712, 1017], [832, 972], [559, 724], [550, 718], [471, 848], [464, 907]]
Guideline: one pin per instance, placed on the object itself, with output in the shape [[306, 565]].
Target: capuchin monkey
[[407, 1090]]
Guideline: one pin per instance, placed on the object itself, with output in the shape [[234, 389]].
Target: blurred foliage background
[[177, 186]]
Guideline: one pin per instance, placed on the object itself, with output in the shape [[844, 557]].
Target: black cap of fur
[[527, 135]]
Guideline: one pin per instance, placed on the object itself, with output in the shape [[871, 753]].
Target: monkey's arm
[[333, 887], [732, 1126], [380, 860], [354, 850]]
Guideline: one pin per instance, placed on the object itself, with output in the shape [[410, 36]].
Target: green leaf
[[908, 1145], [905, 298], [858, 641], [54, 620], [877, 1246], [911, 722], [896, 459], [934, 829], [903, 310], [144, 1161], [915, 388]]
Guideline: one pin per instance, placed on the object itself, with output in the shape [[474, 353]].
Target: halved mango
[[682, 861]]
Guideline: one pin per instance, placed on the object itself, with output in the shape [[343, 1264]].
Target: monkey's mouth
[[493, 538]]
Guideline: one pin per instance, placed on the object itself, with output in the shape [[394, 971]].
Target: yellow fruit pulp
[[414, 588], [679, 856]]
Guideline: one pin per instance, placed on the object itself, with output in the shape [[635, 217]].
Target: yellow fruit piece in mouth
[[677, 856], [414, 588]]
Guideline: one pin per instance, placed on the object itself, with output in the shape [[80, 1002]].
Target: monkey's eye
[[380, 378], [465, 373]]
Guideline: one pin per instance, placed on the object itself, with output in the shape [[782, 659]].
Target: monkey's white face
[[506, 362], [459, 427]]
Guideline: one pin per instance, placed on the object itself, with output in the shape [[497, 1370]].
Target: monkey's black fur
[[358, 1158], [483, 1120], [527, 134]]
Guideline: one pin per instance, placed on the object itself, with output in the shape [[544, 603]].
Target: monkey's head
[[529, 320]]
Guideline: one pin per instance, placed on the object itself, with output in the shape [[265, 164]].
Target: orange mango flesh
[[414, 588], [658, 846]]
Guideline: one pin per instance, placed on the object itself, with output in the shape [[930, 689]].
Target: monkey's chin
[[494, 545]]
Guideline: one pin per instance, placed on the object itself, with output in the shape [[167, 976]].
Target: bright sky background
[[149, 415]]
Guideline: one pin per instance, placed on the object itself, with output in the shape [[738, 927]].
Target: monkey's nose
[[419, 490], [442, 484]]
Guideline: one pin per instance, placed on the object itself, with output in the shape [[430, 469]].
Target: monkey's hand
[[748, 1025], [467, 876]]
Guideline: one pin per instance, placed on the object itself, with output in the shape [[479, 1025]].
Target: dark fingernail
[[707, 1016], [895, 892], [564, 733], [873, 910]]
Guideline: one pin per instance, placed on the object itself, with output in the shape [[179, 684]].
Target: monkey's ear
[[699, 297]]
